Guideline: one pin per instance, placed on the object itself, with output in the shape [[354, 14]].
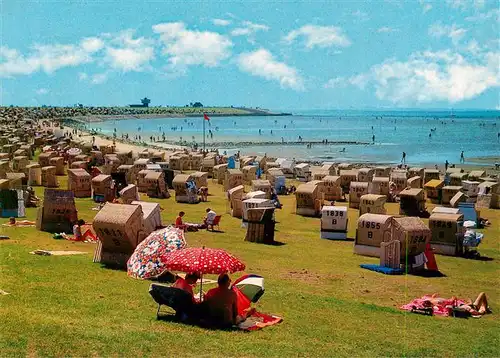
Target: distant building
[[145, 103]]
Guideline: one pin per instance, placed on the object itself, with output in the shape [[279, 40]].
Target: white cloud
[[42, 91], [465, 4], [188, 47], [335, 82], [360, 80], [92, 44], [249, 28], [451, 31], [361, 15], [479, 3], [261, 63], [96, 79], [473, 46], [121, 51], [483, 16], [426, 5], [82, 76], [127, 53], [394, 2], [128, 59], [387, 29], [46, 58], [320, 36], [457, 4], [221, 22], [433, 76], [99, 78]]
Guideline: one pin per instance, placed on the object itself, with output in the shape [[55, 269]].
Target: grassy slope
[[68, 306]]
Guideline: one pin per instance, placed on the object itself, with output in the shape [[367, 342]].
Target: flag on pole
[[207, 118]]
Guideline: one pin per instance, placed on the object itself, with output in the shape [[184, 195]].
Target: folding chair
[[214, 223], [175, 298]]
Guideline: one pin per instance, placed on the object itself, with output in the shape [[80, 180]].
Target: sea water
[[473, 132]]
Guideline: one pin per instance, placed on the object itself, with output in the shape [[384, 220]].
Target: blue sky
[[272, 54]]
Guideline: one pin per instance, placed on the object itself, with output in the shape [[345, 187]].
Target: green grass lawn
[[69, 306]]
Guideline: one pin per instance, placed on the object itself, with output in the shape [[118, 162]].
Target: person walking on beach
[[403, 159], [462, 159], [93, 140], [446, 164]]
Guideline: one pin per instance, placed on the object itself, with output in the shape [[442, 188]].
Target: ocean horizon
[[427, 137]]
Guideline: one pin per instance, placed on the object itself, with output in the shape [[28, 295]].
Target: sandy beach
[[484, 163]]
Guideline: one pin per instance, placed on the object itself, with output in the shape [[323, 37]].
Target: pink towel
[[440, 306]]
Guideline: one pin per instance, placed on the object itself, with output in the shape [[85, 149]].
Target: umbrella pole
[[201, 273], [201, 287]]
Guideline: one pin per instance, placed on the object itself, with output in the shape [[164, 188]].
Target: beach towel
[[440, 306], [382, 269], [255, 320], [258, 321], [56, 253]]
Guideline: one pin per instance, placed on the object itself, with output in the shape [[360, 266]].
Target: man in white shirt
[[209, 218]]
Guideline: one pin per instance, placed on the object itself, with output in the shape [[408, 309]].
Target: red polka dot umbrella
[[203, 261]]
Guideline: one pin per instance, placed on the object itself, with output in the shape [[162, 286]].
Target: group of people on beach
[[217, 308], [207, 222]]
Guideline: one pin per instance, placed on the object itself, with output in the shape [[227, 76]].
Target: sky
[[332, 54]]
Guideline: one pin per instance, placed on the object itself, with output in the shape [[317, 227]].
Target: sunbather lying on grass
[[446, 306], [13, 222]]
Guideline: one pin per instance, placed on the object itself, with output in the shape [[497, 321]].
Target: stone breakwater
[[230, 144]]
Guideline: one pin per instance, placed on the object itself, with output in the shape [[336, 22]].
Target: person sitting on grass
[[77, 232], [178, 221], [203, 193], [275, 199], [220, 303], [209, 218], [31, 200]]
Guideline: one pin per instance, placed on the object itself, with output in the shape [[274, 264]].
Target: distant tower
[[145, 102]]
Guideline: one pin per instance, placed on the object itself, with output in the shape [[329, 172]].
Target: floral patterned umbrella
[[203, 261], [150, 256]]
